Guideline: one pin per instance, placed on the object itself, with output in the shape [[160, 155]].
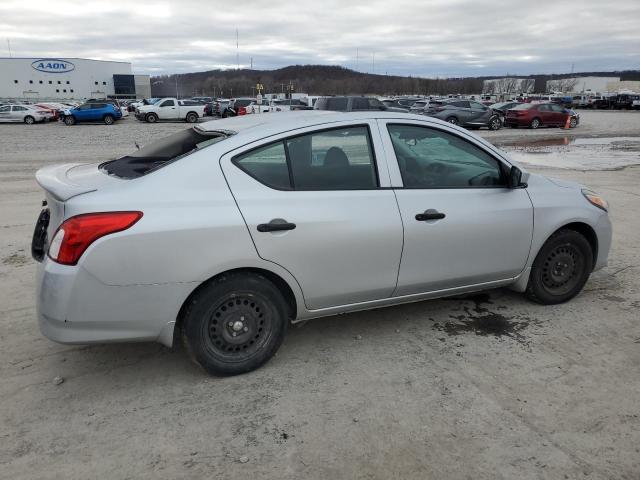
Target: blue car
[[92, 112]]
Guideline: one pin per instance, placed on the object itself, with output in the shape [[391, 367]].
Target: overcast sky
[[419, 37]]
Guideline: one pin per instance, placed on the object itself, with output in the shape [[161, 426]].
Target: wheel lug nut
[[230, 324], [246, 329]]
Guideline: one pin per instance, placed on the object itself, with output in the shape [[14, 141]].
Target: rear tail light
[[242, 111], [75, 234]]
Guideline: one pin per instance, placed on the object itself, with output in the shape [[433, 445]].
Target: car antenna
[[137, 146]]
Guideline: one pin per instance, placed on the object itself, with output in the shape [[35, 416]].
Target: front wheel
[[69, 120], [235, 323], [151, 118], [108, 119], [452, 120], [535, 123], [561, 268], [573, 123], [29, 120]]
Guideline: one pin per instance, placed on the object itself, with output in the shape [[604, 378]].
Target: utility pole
[[176, 77], [251, 63], [9, 46], [357, 58], [237, 51], [373, 62]]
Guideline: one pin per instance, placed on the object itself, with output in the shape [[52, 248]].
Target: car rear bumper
[[75, 307]]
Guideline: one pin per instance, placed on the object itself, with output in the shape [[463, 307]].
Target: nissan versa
[[225, 233]]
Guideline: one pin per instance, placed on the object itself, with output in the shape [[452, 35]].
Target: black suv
[[353, 104]]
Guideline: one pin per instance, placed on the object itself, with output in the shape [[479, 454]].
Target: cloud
[[420, 37]]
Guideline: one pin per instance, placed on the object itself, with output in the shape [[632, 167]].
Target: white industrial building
[[70, 79]]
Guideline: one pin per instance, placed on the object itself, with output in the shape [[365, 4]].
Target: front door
[[168, 110], [314, 203], [481, 113], [5, 113], [462, 225]]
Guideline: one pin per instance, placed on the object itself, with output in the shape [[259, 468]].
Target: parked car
[[535, 115], [221, 107], [624, 101], [420, 107], [219, 234], [502, 107], [238, 106], [574, 117], [171, 109], [636, 103], [92, 112], [52, 110], [394, 103], [23, 114], [352, 104], [202, 100], [466, 113]]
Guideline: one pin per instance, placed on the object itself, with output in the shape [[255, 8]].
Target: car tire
[[151, 118], [561, 268], [535, 123], [452, 120], [573, 123], [108, 119], [191, 117], [29, 120], [69, 120], [495, 123], [235, 323]]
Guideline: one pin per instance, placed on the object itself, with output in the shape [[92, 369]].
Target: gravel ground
[[484, 387]]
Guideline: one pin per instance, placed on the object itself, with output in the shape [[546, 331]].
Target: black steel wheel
[[235, 323], [561, 268]]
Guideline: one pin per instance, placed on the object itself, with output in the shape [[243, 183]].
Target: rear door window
[[337, 104], [336, 159]]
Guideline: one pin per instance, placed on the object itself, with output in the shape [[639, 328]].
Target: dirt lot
[[486, 387]]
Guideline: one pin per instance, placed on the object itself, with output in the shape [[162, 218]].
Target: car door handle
[[276, 226], [430, 215]]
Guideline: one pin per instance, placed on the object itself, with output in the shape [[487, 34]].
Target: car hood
[[565, 183]]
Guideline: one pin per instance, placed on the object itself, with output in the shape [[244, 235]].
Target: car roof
[[260, 126]]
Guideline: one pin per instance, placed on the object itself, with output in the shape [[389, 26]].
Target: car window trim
[[235, 161], [502, 166]]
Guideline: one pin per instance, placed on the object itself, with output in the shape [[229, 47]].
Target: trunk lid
[[60, 183]]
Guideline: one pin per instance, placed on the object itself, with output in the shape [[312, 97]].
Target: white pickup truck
[[170, 109]]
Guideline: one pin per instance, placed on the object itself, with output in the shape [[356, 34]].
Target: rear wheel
[[561, 268], [69, 120], [535, 123], [29, 120], [452, 120], [151, 118], [108, 119], [573, 123], [192, 117], [235, 324]]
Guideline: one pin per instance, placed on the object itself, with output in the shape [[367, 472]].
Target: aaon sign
[[52, 65]]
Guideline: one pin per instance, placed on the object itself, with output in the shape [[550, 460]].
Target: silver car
[[23, 114], [225, 233]]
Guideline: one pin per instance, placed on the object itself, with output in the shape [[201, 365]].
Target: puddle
[[605, 153], [481, 321]]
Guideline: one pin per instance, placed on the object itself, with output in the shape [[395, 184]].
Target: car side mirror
[[515, 178]]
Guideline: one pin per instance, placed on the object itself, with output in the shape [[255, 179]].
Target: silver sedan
[[224, 234], [23, 114]]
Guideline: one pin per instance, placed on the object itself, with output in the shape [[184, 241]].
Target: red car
[[536, 115]]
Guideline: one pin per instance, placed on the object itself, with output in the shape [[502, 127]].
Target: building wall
[[143, 86], [624, 85], [63, 78]]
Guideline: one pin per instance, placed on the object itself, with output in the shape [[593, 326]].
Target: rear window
[[157, 154], [340, 103]]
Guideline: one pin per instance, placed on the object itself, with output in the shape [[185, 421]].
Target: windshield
[[157, 154]]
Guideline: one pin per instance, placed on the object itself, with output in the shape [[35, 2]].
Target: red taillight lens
[[242, 111], [75, 235]]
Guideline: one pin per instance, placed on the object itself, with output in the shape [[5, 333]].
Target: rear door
[[18, 112], [317, 203], [462, 109], [462, 225]]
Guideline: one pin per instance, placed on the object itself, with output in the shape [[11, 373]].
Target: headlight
[[595, 199]]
